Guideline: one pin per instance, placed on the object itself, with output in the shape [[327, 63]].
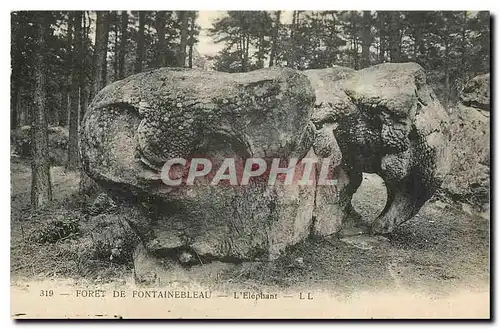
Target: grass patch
[[65, 240]]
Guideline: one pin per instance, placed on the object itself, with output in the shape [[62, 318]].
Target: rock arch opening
[[370, 198]]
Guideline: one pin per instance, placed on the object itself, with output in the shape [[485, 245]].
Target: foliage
[[53, 229], [60, 50], [451, 46], [20, 143]]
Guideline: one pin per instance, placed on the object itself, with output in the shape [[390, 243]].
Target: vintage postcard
[[250, 164]]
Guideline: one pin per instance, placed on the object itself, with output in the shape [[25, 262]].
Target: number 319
[[46, 293]]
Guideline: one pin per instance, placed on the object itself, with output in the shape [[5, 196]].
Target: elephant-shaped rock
[[383, 119], [386, 120], [136, 125]]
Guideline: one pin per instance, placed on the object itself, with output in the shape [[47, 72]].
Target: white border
[[493, 6]]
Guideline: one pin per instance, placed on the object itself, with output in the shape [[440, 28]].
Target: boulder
[[476, 92], [469, 178], [382, 119], [135, 125], [386, 120]]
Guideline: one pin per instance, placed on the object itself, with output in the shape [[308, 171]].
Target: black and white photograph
[[250, 164]]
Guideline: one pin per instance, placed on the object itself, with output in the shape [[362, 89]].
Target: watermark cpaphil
[[233, 171]]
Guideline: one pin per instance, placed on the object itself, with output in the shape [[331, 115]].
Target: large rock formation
[[469, 179], [387, 121], [135, 125]]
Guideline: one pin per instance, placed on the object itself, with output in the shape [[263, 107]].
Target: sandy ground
[[440, 253]]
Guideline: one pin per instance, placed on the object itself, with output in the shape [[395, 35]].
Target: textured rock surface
[[137, 124], [387, 121], [382, 119], [469, 178]]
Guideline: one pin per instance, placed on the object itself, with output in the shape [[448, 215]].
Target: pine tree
[[101, 51], [161, 18], [73, 154], [193, 33], [394, 35], [140, 42], [123, 44], [64, 117], [241, 31], [366, 38], [184, 18], [41, 189], [275, 36]]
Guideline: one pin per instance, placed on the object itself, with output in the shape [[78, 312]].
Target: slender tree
[[381, 17], [140, 42], [191, 40], [294, 43], [123, 44], [99, 81], [73, 155], [14, 85], [184, 16], [394, 36], [81, 76], [116, 46], [274, 41], [366, 38], [64, 117], [101, 50], [41, 189], [161, 18]]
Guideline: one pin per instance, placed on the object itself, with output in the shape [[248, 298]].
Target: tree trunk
[[101, 49], [64, 116], [463, 64], [382, 35], [116, 50], [73, 155], [446, 73], [274, 42], [293, 30], [246, 41], [41, 189], [81, 75], [88, 91], [87, 185], [140, 42], [183, 42], [190, 51], [366, 39], [24, 116], [192, 26], [14, 92], [356, 53], [161, 18], [416, 44], [241, 45], [14, 76], [123, 45], [260, 52], [394, 37]]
